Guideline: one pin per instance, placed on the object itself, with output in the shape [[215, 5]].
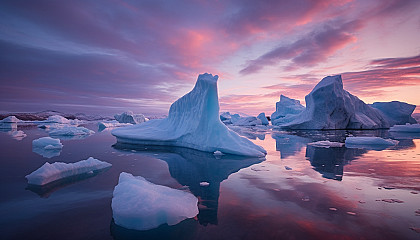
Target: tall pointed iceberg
[[193, 122]]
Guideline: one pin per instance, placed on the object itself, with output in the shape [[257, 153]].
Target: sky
[[108, 56]]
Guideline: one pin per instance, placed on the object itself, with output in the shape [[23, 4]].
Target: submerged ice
[[141, 205], [193, 122]]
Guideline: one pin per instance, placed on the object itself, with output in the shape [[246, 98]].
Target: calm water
[[298, 192]]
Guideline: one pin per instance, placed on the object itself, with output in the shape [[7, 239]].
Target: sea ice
[[141, 205], [47, 143], [409, 128], [396, 112], [263, 118], [61, 120], [58, 170], [370, 141], [111, 124], [130, 117], [193, 122], [326, 144], [329, 106]]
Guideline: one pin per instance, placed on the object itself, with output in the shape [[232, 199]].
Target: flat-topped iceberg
[[408, 128], [396, 112], [193, 122], [329, 106], [370, 141], [51, 172], [141, 205], [326, 144], [130, 117]]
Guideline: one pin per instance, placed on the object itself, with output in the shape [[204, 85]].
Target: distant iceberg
[[263, 118], [61, 120], [141, 205], [111, 124], [285, 109], [396, 112], [10, 119], [193, 122], [329, 106], [68, 130], [9, 123], [58, 170], [130, 117], [408, 128]]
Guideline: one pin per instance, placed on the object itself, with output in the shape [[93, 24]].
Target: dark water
[[298, 192]]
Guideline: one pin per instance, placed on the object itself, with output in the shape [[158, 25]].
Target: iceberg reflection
[[191, 167]]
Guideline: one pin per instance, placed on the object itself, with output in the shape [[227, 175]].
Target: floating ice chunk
[[141, 205], [204, 184], [413, 128], [58, 170], [263, 118], [326, 144], [10, 119], [61, 120], [47, 143], [218, 153], [111, 124], [370, 141], [130, 117], [67, 130], [193, 122], [329, 106], [396, 112]]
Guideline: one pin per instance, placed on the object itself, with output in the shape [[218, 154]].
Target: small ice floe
[[351, 213], [388, 187], [204, 184], [412, 192], [259, 169], [306, 199], [417, 212], [47, 147], [411, 128], [332, 209], [361, 201], [373, 143], [51, 172], [70, 131], [141, 205], [415, 229], [392, 200], [61, 120], [218, 153], [326, 144], [288, 168]]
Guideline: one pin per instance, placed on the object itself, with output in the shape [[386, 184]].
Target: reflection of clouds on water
[[17, 134], [191, 167]]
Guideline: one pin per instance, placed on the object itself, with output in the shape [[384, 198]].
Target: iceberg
[[68, 130], [130, 117], [263, 118], [326, 144], [61, 120], [245, 121], [285, 109], [329, 106], [141, 205], [9, 123], [111, 124], [59, 170], [369, 141], [193, 122], [396, 112], [408, 128], [47, 143], [10, 119]]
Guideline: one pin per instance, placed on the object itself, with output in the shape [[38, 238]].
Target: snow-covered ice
[[396, 112], [329, 106], [141, 205], [218, 153], [263, 118], [61, 120], [193, 122], [409, 128], [370, 141], [68, 130], [285, 109], [130, 117], [326, 144], [51, 172]]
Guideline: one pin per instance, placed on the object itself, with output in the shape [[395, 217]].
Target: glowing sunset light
[[106, 57]]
